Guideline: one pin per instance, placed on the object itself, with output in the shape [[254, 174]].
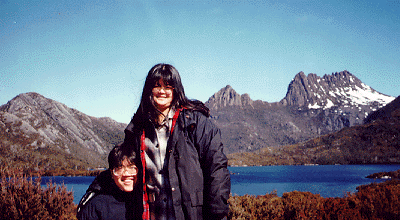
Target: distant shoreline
[[76, 173]]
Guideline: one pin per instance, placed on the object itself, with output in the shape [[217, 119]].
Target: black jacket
[[197, 166], [104, 200]]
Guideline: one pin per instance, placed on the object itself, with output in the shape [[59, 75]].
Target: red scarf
[[146, 211]]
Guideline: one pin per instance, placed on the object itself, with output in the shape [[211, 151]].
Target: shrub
[[373, 201], [23, 197], [341, 208], [302, 205], [380, 201], [268, 206], [240, 207]]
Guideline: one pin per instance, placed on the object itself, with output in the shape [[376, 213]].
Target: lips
[[128, 180], [161, 96]]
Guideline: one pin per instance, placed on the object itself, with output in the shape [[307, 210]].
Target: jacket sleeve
[[87, 212], [217, 184]]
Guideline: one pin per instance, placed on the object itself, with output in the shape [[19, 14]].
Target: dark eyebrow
[[165, 83]]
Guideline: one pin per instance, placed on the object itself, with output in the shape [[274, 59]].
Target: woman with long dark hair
[[165, 73], [183, 171]]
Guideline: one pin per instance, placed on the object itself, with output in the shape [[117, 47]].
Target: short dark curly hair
[[118, 154]]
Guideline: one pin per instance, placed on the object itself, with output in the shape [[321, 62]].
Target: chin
[[163, 105], [128, 189], [126, 186]]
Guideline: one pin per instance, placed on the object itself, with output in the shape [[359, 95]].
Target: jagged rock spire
[[228, 97]]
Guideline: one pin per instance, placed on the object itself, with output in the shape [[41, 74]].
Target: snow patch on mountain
[[344, 90], [353, 96], [366, 95]]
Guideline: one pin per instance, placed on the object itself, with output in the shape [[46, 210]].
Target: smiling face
[[163, 95], [124, 177]]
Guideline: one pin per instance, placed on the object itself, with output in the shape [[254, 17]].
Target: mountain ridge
[[312, 106], [40, 133], [375, 142], [36, 124], [317, 92]]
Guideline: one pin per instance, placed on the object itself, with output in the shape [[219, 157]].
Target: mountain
[[39, 132], [313, 106], [375, 142]]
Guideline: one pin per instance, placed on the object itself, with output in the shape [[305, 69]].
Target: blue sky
[[94, 55]]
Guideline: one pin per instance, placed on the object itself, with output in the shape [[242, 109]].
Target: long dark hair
[[171, 77]]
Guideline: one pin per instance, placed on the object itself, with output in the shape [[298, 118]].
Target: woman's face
[[163, 95]]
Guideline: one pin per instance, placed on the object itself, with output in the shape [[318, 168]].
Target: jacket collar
[[185, 119]]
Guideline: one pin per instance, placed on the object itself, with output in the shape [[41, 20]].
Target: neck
[[163, 114]]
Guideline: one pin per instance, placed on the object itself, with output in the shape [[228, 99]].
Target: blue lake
[[328, 181]]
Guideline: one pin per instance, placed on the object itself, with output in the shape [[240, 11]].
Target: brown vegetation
[[373, 201], [23, 197]]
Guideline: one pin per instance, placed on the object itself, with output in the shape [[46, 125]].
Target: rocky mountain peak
[[340, 89], [31, 104], [56, 126], [228, 97], [313, 106]]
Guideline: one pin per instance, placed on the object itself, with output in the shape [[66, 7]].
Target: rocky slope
[[313, 106], [36, 129], [375, 142]]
